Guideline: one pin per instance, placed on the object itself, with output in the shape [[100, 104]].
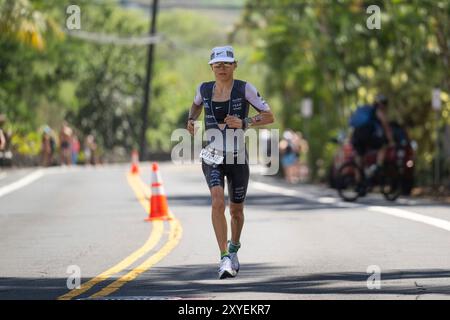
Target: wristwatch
[[247, 122]]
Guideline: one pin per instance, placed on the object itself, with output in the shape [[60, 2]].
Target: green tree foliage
[[98, 87], [26, 68], [324, 50], [19, 20]]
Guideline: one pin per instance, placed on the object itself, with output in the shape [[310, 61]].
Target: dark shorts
[[237, 179], [365, 139]]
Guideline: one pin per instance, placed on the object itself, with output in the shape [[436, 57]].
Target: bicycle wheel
[[348, 184], [391, 182]]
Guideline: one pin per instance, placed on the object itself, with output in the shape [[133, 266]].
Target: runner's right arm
[[194, 113], [196, 110]]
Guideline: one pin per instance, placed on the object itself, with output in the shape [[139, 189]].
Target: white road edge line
[[295, 193], [396, 212], [400, 213], [21, 183]]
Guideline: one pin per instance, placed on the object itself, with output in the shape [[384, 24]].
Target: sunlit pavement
[[298, 242]]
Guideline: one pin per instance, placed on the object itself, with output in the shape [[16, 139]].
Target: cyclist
[[375, 134], [226, 102]]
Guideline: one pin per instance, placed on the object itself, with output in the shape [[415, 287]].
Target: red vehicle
[[398, 172]]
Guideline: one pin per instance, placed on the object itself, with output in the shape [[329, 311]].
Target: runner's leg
[[237, 180], [237, 221], [218, 217], [214, 176]]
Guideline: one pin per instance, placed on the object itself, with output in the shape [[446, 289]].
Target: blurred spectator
[[2, 139], [302, 170], [289, 152], [65, 137], [90, 148], [75, 146], [5, 139], [48, 147], [2, 133]]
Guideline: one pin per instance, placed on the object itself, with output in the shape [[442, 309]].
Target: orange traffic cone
[[134, 162], [159, 210]]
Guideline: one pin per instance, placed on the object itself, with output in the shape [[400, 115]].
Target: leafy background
[[290, 49]]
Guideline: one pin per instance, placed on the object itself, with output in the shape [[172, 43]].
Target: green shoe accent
[[232, 247], [223, 254]]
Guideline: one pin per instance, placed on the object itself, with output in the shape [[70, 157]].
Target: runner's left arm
[[265, 115]]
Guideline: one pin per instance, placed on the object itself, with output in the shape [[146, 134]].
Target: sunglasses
[[222, 64]]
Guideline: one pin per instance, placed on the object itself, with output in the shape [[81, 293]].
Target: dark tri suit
[[242, 95]]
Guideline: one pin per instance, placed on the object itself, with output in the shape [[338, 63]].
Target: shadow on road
[[292, 203], [270, 202], [190, 281], [201, 280]]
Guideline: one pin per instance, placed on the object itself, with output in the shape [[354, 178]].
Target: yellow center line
[[142, 193], [175, 234], [141, 190]]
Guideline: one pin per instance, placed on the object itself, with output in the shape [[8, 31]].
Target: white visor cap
[[222, 54]]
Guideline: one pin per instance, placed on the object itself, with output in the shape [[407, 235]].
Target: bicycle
[[353, 181]]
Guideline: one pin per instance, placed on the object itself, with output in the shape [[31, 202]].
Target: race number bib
[[210, 158]]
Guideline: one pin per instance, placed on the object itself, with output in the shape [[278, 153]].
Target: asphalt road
[[298, 242]]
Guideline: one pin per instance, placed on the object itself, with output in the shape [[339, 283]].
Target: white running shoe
[[225, 269], [234, 261]]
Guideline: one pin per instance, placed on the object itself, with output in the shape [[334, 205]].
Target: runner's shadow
[[190, 280], [194, 281]]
